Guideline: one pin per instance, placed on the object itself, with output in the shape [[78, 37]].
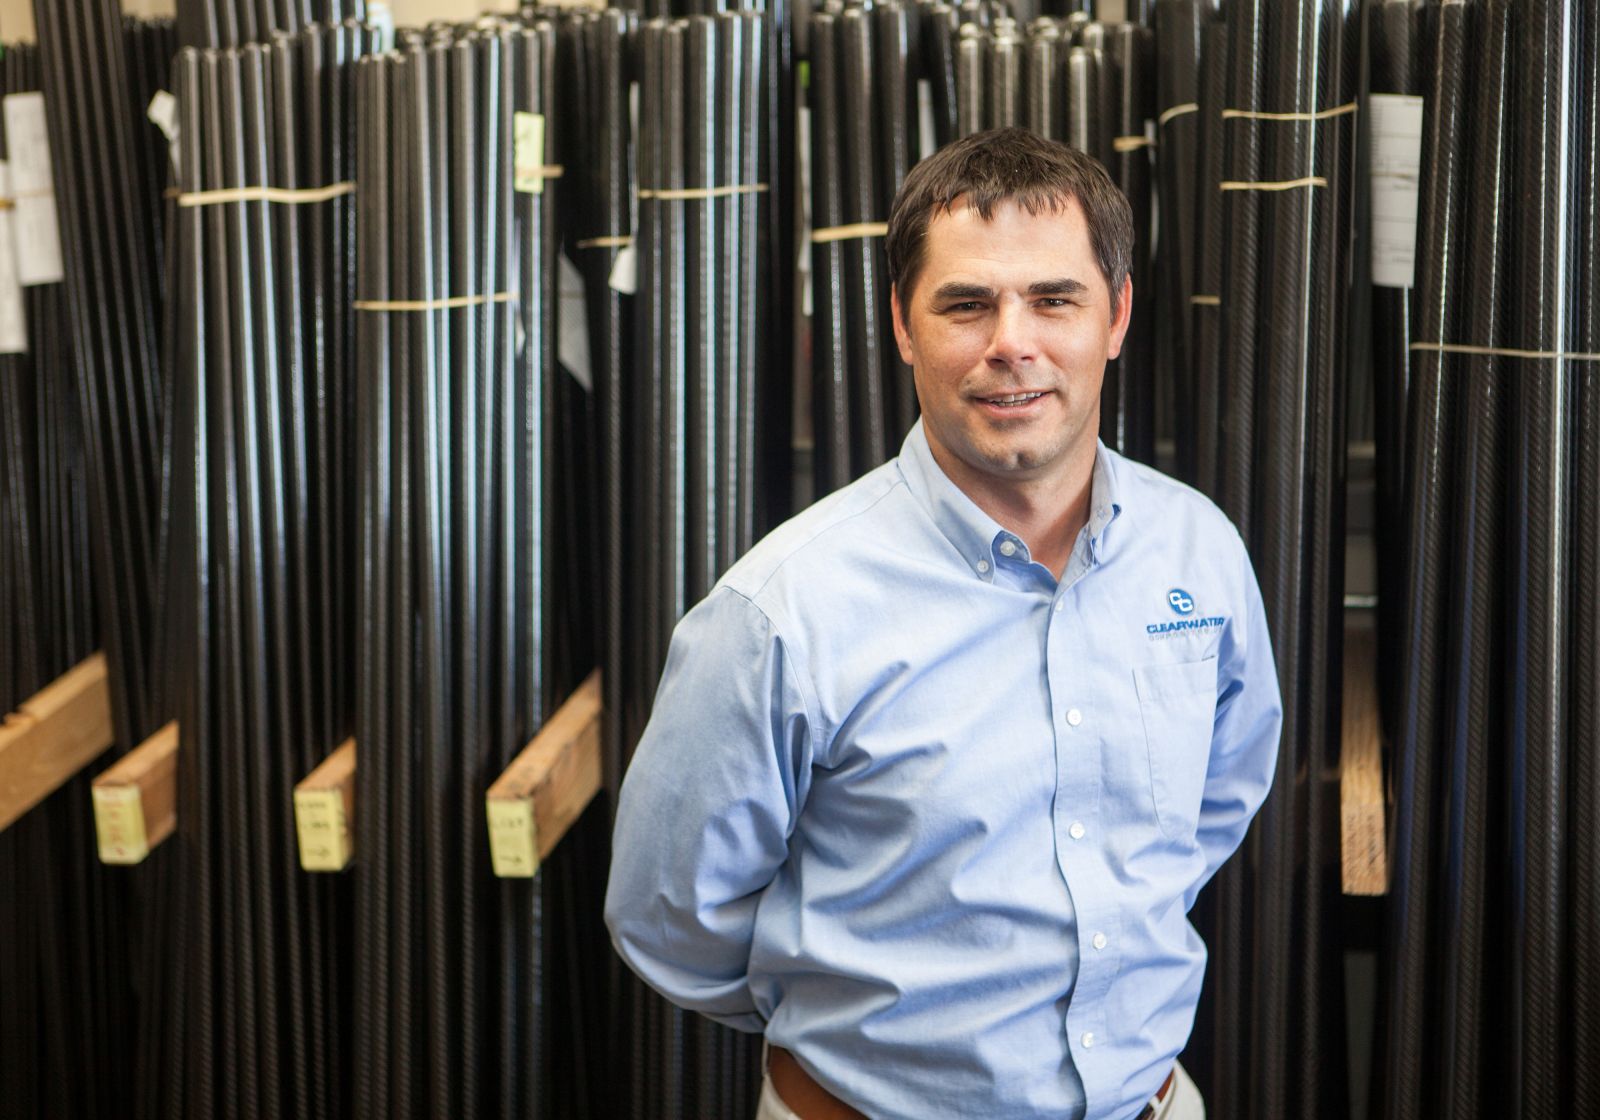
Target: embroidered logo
[[1183, 605]]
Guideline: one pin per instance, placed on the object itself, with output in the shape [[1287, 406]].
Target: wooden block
[[135, 801], [1362, 838], [58, 732], [531, 805], [324, 809]]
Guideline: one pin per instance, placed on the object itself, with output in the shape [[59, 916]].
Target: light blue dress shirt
[[933, 820]]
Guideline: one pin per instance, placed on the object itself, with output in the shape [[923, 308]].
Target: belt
[[810, 1101], [1160, 1098]]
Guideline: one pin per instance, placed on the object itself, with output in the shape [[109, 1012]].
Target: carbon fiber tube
[[970, 61], [1003, 69], [1541, 558], [1585, 804], [865, 292], [1477, 596], [1043, 91], [1178, 152], [1128, 403], [1205, 309], [1410, 962], [831, 365]]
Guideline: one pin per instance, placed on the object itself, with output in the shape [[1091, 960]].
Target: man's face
[[1008, 330]]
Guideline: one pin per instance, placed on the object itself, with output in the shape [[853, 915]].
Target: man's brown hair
[[988, 168]]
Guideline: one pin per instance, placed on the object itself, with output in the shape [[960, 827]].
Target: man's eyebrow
[[955, 291], [1059, 287]]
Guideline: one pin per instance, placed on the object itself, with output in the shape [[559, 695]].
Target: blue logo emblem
[[1182, 602]]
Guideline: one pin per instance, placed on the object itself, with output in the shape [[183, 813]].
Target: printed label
[[36, 231], [320, 824], [513, 843], [119, 824], [528, 151], [13, 320], [1396, 180]]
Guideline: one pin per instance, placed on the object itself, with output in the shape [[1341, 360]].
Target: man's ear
[[1119, 321], [902, 333]]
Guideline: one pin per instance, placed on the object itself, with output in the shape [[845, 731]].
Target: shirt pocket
[[1178, 703]]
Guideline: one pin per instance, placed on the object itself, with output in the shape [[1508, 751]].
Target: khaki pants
[[1183, 1103]]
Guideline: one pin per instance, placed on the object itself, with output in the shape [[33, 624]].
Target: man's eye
[[969, 305]]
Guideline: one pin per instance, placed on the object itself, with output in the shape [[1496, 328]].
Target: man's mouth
[[1011, 400]]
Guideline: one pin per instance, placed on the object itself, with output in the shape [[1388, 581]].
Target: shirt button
[[1007, 548], [1074, 717], [1059, 604], [1076, 831], [1099, 941], [1088, 1039], [983, 565]]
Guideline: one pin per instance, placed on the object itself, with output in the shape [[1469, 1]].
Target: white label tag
[[1396, 179], [572, 333], [803, 264], [38, 235], [528, 129], [625, 271], [13, 323], [163, 113], [381, 19]]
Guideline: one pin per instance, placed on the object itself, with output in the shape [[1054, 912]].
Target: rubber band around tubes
[[443, 304], [1503, 351], [1262, 115], [297, 196], [846, 233], [673, 194]]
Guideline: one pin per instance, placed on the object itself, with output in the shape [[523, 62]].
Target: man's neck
[[1047, 513]]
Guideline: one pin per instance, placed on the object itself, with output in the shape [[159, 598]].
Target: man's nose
[[1013, 342]]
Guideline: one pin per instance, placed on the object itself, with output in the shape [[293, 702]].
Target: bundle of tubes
[[706, 161], [60, 950], [264, 577], [864, 139], [109, 264], [1270, 1037], [232, 23], [1492, 1004], [472, 994], [108, 242]]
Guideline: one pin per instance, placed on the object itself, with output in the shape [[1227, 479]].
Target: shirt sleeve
[[1244, 738], [707, 807]]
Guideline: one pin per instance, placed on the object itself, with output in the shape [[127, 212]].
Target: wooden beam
[[135, 801], [324, 811], [1361, 829], [58, 732], [546, 787]]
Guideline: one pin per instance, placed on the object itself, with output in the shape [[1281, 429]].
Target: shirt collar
[[974, 533]]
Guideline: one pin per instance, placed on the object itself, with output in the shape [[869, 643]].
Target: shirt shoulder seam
[[802, 676], [835, 523]]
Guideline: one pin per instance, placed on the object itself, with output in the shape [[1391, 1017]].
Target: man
[[936, 771]]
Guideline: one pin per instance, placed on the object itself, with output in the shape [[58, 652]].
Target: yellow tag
[[324, 838], [513, 838], [528, 152], [119, 824]]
